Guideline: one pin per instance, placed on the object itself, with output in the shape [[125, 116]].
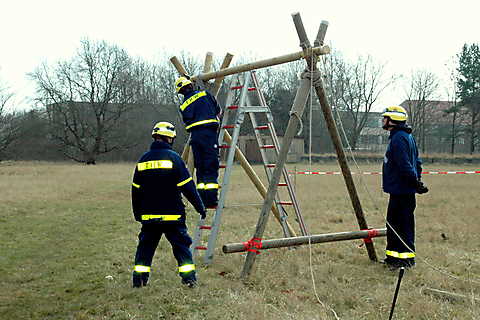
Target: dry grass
[[65, 227]]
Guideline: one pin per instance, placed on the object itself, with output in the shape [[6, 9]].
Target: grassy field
[[68, 238]]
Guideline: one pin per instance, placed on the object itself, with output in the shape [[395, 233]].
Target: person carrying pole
[[200, 113], [401, 179], [159, 179]]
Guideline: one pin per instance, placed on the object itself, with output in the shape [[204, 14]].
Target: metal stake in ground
[[400, 276]]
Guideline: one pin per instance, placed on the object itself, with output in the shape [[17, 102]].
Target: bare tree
[[88, 97], [334, 69], [354, 88], [421, 91], [9, 128]]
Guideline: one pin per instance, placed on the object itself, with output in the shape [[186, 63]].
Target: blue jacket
[[401, 164], [199, 108], [159, 179]]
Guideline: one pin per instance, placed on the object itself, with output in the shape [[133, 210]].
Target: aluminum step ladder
[[238, 104]]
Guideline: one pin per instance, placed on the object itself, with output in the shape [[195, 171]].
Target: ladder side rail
[[201, 222], [196, 238], [226, 177]]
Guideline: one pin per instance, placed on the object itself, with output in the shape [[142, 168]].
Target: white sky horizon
[[406, 36]]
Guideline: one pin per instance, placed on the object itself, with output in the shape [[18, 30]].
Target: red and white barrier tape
[[379, 173]]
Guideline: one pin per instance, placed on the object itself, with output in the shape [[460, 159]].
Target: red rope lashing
[[372, 233], [252, 245]]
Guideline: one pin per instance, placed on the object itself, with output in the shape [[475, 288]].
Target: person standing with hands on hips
[[401, 179], [159, 180], [200, 113]]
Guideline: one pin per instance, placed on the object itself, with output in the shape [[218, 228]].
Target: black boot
[[140, 279]]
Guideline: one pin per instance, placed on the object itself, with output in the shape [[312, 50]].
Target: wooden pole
[[218, 81], [332, 129], [178, 65], [342, 160], [318, 238], [207, 65], [292, 127], [295, 119], [449, 295], [260, 64]]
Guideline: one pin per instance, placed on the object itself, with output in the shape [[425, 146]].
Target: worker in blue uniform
[[200, 113], [159, 180], [401, 179]]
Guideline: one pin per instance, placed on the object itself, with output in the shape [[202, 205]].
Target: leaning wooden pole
[[337, 142], [297, 241], [342, 160], [292, 128]]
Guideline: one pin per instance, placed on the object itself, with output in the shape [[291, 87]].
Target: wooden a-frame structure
[[310, 77]]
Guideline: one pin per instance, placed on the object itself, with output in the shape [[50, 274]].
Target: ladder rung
[[224, 146], [268, 146], [240, 87], [270, 165], [228, 126], [261, 128], [232, 107], [205, 227], [282, 184], [285, 203], [201, 248]]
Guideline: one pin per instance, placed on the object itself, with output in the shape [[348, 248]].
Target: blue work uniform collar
[[160, 145], [189, 94], [400, 127]]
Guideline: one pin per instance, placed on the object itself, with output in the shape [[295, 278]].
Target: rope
[[295, 114], [311, 76], [313, 281]]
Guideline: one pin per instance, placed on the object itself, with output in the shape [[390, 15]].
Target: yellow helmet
[[164, 129], [396, 113], [181, 82]]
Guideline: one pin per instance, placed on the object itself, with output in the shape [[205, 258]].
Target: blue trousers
[[148, 240], [205, 153], [400, 216]]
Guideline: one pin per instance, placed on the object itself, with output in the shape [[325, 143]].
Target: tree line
[[102, 103]]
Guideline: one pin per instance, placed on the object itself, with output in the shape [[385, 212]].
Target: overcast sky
[[406, 35]]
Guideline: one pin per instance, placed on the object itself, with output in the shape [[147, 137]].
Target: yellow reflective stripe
[[200, 122], [400, 255], [139, 268], [211, 186], [186, 268], [155, 164], [184, 182], [192, 99], [164, 217], [136, 185], [201, 185]]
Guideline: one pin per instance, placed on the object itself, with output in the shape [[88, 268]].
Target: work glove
[[203, 214], [421, 188]]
